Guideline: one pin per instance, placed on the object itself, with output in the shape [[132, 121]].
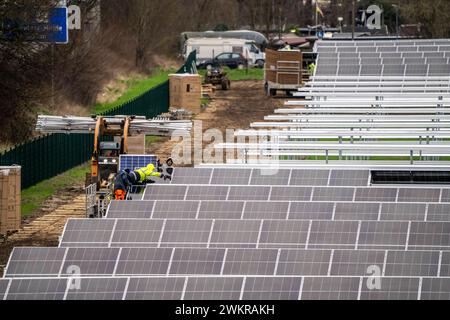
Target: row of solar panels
[[383, 70], [98, 262], [397, 49], [260, 234], [292, 193], [384, 61], [390, 55], [391, 43], [282, 177], [252, 210], [227, 288]]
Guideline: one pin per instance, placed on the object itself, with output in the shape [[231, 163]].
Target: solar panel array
[[377, 58], [310, 235], [227, 233]]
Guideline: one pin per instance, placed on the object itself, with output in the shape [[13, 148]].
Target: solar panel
[[333, 235], [290, 194], [35, 261], [37, 289], [385, 235], [357, 211], [392, 289], [155, 289], [435, 289], [91, 261], [416, 70], [197, 261], [133, 162], [286, 234], [272, 288], [376, 194], [304, 262], [221, 210], [333, 194], [130, 209], [143, 261], [251, 194], [176, 209], [212, 193], [250, 262], [424, 236], [311, 211], [412, 264], [213, 289], [445, 195], [403, 211], [165, 192], [330, 289], [419, 195], [104, 289], [438, 212], [235, 234], [341, 178], [137, 233], [266, 210], [186, 232], [88, 232], [191, 176], [281, 178], [355, 262], [310, 177], [231, 176], [3, 287]]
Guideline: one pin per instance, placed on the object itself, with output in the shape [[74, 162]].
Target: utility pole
[[353, 19], [397, 11]]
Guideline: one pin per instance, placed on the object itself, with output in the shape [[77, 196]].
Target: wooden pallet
[[208, 90], [51, 226]]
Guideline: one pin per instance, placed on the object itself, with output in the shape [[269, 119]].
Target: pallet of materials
[[284, 67], [10, 199], [186, 92]]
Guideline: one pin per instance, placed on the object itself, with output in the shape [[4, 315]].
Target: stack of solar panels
[[250, 234]]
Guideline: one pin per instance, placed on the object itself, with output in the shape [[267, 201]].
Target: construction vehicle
[[217, 76], [111, 136]]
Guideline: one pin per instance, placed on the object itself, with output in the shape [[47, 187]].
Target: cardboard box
[[10, 199], [284, 67], [185, 92]]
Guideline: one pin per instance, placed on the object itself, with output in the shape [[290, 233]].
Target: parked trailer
[[283, 71]]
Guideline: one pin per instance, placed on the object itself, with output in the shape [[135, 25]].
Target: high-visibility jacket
[[144, 174]]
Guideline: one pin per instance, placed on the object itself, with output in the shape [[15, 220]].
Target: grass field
[[239, 75], [32, 198], [135, 88]]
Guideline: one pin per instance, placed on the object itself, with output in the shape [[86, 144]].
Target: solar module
[[35, 261], [155, 289], [272, 288], [103, 289], [133, 162], [37, 289], [91, 261], [143, 261], [221, 210], [412, 264], [3, 287], [304, 262], [330, 289], [250, 262], [392, 289], [355, 262], [197, 261], [213, 289]]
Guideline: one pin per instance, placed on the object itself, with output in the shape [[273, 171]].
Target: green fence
[[47, 156]]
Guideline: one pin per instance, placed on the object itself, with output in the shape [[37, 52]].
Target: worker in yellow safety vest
[[127, 179], [312, 69]]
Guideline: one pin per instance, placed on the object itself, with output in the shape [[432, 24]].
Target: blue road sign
[[59, 32], [55, 30]]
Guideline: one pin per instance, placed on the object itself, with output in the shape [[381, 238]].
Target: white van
[[209, 48]]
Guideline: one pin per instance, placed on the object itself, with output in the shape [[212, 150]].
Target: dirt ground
[[235, 109]]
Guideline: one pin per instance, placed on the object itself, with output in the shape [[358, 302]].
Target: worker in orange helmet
[[127, 178]]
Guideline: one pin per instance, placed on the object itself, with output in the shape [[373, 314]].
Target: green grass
[[135, 88], [34, 197], [239, 75]]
